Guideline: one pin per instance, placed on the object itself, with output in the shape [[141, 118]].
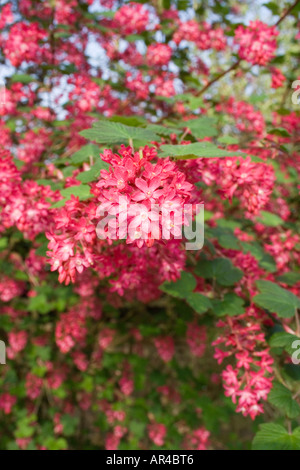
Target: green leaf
[[270, 219], [110, 133], [181, 288], [276, 299], [280, 131], [137, 428], [162, 130], [282, 398], [59, 204], [230, 305], [51, 443], [196, 102], [107, 14], [132, 121], [183, 4], [289, 278], [225, 237], [82, 192], [255, 98], [3, 243], [198, 302], [93, 173], [283, 340], [40, 304], [273, 436], [42, 250], [68, 171], [273, 7], [62, 34], [22, 78], [228, 140], [53, 185], [264, 259], [220, 269], [70, 424], [82, 155], [201, 127], [196, 150]]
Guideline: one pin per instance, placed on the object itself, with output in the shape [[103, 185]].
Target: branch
[[287, 12], [232, 67], [236, 64]]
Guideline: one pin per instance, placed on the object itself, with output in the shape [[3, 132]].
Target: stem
[[184, 134], [236, 64], [287, 12], [225, 72], [297, 323], [296, 395]]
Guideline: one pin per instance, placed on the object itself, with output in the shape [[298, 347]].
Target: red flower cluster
[[157, 188], [257, 42], [132, 18], [23, 43], [249, 383], [204, 35]]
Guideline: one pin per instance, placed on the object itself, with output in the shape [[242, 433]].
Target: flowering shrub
[[119, 122]]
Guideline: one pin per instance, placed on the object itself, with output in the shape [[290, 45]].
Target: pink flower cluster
[[251, 182], [203, 35], [157, 433], [283, 247], [158, 54], [126, 381], [6, 15], [23, 43], [277, 78], [132, 18], [165, 347], [169, 394], [196, 338], [247, 118], [157, 187], [250, 381], [86, 93], [7, 401], [17, 341], [197, 439], [33, 385], [70, 330], [257, 42], [9, 288], [71, 250], [25, 205]]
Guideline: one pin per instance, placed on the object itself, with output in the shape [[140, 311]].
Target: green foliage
[[269, 219], [182, 287], [82, 192], [111, 133], [282, 398], [273, 436], [230, 305], [93, 173], [201, 127], [85, 153], [220, 270], [199, 149], [276, 299]]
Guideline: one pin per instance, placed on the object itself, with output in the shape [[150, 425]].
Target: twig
[[287, 12], [225, 72]]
